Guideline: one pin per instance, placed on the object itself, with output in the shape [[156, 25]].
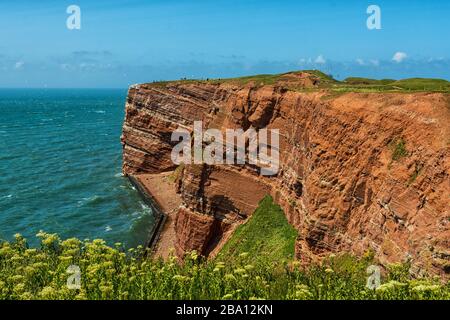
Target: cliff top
[[311, 80]]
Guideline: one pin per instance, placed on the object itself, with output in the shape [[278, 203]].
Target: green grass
[[351, 84], [421, 84], [367, 81], [265, 236], [398, 147], [271, 79], [390, 85], [261, 79], [321, 75]]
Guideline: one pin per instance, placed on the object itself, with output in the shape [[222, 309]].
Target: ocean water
[[60, 167]]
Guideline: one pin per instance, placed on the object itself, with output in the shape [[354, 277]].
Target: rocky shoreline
[[157, 211]]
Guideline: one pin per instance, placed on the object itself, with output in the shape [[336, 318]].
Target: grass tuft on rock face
[[398, 149], [266, 235]]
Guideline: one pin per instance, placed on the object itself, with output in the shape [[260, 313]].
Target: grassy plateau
[[327, 82]]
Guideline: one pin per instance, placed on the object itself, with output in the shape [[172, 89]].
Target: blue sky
[[126, 42]]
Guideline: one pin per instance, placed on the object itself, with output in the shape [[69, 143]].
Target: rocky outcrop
[[342, 182]]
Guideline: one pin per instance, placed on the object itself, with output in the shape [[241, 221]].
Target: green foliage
[[260, 79], [266, 235], [398, 147], [271, 79], [367, 81], [111, 273], [355, 84], [351, 84], [422, 84], [325, 78], [398, 272]]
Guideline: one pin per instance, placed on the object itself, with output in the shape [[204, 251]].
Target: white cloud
[[370, 62], [375, 62], [399, 57], [320, 60], [19, 65]]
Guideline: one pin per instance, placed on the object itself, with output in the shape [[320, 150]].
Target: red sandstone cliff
[[338, 184]]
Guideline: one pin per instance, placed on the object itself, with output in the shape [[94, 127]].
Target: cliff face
[[342, 182]]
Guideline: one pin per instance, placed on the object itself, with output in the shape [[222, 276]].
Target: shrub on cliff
[[398, 149]]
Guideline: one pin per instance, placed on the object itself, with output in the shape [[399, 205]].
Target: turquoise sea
[[60, 167]]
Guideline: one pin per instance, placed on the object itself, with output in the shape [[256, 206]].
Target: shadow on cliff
[[220, 205]]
